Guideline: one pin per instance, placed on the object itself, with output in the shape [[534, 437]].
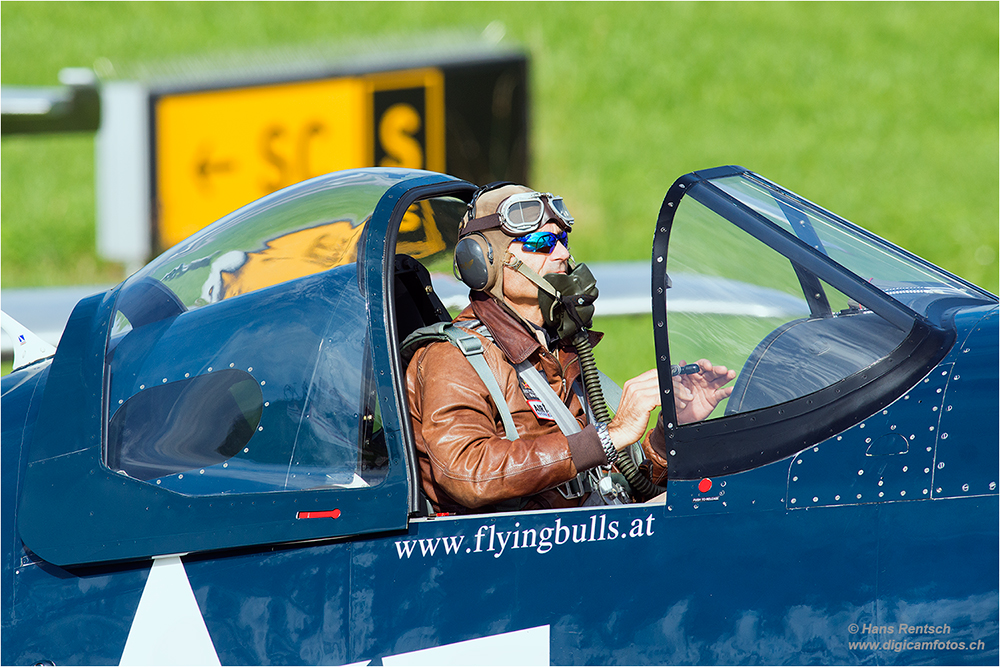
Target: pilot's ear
[[476, 263]]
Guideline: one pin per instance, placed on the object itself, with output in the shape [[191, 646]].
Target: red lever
[[329, 514]]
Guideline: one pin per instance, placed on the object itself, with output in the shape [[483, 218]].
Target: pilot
[[509, 239]]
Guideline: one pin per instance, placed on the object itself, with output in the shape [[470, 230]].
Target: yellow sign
[[217, 150]]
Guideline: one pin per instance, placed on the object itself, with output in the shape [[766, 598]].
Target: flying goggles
[[525, 212], [521, 213]]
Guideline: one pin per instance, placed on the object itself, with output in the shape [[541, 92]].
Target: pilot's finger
[[651, 374], [643, 382], [641, 393], [707, 367], [642, 389], [715, 373], [721, 380], [681, 390], [629, 423]]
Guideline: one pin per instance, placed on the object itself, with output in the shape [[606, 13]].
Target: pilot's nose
[[561, 251]]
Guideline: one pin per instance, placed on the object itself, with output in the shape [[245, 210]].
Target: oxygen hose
[[567, 304], [592, 384]]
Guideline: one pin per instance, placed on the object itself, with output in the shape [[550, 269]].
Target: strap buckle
[[577, 487], [469, 345]]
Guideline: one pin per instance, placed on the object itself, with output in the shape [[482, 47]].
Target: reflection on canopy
[[307, 251], [287, 257]]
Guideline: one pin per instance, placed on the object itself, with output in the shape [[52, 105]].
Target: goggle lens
[[542, 241], [560, 208], [525, 213]]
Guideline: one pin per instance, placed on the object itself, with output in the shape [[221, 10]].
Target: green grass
[[886, 113], [48, 213], [627, 347]]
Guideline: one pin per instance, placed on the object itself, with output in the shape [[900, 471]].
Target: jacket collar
[[511, 335]]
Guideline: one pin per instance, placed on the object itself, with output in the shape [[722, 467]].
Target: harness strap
[[472, 348], [540, 386], [583, 483], [612, 392]]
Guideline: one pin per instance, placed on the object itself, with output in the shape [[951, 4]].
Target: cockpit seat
[[417, 304]]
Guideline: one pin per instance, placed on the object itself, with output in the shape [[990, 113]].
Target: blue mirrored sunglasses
[[543, 241]]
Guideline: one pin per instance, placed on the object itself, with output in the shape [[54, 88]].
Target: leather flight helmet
[[480, 253]]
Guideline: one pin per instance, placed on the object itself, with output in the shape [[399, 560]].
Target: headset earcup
[[475, 262]]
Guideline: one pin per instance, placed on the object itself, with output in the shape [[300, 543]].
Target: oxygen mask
[[571, 307]]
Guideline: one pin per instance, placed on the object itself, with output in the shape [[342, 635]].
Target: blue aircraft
[[217, 466]]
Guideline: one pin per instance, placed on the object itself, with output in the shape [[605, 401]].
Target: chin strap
[[514, 263]]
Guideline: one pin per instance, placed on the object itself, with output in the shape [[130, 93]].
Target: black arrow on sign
[[205, 168]]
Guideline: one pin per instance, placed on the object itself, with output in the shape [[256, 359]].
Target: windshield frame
[[376, 271], [742, 441]]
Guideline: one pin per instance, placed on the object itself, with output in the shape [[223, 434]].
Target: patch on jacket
[[535, 403]]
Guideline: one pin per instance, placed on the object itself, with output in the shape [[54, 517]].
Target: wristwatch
[[609, 447]]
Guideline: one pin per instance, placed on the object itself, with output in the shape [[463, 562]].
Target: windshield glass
[[913, 283], [736, 302], [817, 322]]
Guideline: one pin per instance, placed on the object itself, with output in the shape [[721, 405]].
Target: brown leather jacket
[[466, 463]]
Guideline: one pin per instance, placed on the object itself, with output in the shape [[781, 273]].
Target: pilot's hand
[[697, 394], [640, 396]]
